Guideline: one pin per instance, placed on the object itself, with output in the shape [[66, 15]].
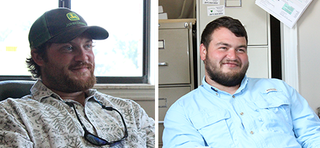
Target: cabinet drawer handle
[[163, 64], [163, 103]]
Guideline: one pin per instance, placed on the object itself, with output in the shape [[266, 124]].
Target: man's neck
[[76, 96], [228, 89]]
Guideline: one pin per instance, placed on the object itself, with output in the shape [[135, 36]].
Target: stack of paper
[[162, 15]]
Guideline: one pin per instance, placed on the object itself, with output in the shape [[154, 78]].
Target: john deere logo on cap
[[72, 16]]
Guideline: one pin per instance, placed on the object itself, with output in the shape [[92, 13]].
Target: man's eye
[[241, 50], [67, 48], [223, 48], [89, 46]]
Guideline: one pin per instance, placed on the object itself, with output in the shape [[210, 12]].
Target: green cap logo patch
[[72, 16]]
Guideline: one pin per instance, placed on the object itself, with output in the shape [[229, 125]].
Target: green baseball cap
[[62, 25]]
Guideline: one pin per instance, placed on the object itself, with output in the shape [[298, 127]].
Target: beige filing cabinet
[[176, 72]]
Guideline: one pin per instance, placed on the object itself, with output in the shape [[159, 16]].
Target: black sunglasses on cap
[[93, 139]]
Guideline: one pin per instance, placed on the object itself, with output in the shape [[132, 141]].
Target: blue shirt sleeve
[[179, 131], [306, 123]]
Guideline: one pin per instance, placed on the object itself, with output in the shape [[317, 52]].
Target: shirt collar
[[39, 92], [208, 87]]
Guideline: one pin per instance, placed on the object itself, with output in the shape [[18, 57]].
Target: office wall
[[309, 54]]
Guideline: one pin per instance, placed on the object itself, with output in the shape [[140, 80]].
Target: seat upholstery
[[14, 88]]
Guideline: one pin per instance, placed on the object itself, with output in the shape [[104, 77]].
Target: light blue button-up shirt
[[263, 113]]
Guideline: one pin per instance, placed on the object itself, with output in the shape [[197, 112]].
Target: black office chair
[[14, 88]]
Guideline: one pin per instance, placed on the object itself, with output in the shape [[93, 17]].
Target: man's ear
[[203, 52], [36, 57]]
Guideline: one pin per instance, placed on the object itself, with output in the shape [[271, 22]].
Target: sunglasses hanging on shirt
[[95, 140]]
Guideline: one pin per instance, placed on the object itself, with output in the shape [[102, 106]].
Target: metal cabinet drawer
[[259, 63], [167, 96], [174, 62]]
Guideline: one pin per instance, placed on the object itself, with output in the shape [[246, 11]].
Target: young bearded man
[[230, 110], [63, 110]]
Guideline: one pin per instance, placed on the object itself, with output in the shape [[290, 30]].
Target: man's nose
[[232, 54], [82, 55]]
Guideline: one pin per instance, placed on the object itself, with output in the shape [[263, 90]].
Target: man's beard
[[225, 79], [61, 80]]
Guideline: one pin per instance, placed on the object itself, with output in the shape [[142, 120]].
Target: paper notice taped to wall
[[215, 10], [286, 11]]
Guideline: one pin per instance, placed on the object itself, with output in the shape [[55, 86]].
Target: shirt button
[[251, 132], [241, 113], [233, 96], [216, 93]]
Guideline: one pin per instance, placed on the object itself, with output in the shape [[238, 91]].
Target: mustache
[[237, 62], [89, 65]]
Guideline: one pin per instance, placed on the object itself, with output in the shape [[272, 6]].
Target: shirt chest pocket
[[213, 127], [274, 110]]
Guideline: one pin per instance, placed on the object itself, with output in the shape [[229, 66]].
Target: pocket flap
[[271, 99], [205, 118]]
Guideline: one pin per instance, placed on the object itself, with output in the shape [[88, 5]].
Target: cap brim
[[96, 32]]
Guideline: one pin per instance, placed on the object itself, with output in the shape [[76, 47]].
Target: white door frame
[[290, 66]]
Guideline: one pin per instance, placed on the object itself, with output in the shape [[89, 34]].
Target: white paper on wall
[[215, 10], [286, 11], [212, 2]]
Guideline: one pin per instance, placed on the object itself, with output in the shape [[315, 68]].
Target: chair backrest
[[14, 88]]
